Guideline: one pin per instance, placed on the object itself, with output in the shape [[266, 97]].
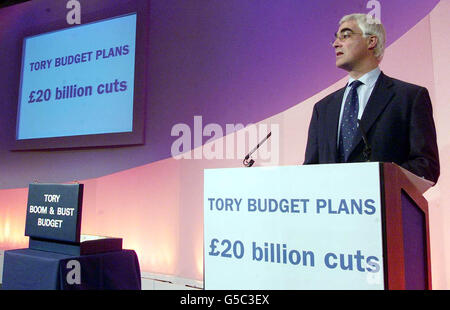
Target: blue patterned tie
[[349, 122]]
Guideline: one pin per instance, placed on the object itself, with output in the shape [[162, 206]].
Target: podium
[[334, 226], [58, 256]]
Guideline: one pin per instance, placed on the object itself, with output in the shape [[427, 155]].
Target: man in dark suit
[[374, 117]]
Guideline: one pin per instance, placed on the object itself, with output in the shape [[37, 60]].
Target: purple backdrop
[[234, 61]]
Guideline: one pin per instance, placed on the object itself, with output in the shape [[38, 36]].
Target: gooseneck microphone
[[249, 163], [367, 152]]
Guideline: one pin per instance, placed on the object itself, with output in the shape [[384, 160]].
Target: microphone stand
[[367, 151], [246, 161]]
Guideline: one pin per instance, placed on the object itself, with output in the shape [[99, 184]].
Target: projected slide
[[78, 81]]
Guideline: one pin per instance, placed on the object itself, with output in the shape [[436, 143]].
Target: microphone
[[249, 163], [367, 152]]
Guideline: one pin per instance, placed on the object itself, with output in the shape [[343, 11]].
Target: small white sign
[[296, 227]]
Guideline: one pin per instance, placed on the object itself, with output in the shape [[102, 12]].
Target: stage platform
[[149, 281]]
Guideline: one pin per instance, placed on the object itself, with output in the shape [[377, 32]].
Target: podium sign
[[54, 212], [295, 227]]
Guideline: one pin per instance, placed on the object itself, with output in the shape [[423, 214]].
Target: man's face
[[352, 49]]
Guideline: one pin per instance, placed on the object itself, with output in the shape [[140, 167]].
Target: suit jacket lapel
[[379, 99]]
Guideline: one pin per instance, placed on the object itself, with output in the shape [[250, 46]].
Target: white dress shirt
[[364, 91]]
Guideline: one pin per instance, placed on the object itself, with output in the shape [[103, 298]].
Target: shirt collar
[[369, 78]]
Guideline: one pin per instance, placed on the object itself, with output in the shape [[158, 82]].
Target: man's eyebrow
[[346, 29]]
